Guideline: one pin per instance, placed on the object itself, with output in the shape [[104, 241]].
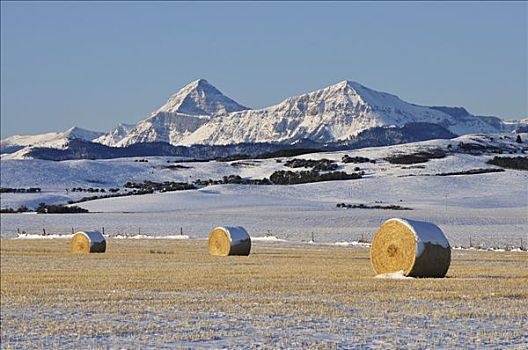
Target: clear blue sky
[[96, 64]]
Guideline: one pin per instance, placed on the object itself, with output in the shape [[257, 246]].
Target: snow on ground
[[267, 239], [58, 176], [490, 218], [69, 236], [352, 244], [490, 209], [40, 236], [178, 237], [393, 276]]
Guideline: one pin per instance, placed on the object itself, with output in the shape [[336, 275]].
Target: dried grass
[[321, 296]]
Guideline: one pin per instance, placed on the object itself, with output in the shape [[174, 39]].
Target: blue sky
[[96, 64]]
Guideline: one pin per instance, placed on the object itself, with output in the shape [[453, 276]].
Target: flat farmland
[[170, 293]]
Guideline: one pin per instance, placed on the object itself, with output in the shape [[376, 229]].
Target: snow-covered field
[[490, 209]]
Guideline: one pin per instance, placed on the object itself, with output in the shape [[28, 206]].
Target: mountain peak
[[79, 133], [195, 84], [199, 82], [199, 97], [347, 84], [365, 95], [348, 87]]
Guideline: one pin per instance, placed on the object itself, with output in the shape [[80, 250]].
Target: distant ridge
[[52, 139]]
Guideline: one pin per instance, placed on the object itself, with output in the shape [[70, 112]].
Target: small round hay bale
[[228, 240], [418, 248], [88, 242]]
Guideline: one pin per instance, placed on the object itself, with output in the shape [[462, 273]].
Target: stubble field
[[163, 293]]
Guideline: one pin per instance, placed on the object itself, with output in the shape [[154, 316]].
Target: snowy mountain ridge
[[335, 113], [200, 114], [52, 139]]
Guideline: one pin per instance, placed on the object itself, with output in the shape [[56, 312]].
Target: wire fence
[[482, 241]]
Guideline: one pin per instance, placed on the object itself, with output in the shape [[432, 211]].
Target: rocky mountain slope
[[115, 135], [199, 114], [335, 113], [181, 115]]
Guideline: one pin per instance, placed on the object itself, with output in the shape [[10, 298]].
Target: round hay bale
[[228, 240], [88, 242], [417, 248]]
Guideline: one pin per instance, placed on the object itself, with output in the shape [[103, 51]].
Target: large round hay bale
[[417, 248], [228, 240], [88, 242]]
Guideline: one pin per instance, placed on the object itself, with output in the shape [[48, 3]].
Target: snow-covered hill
[[464, 152], [52, 139], [489, 207], [181, 115]]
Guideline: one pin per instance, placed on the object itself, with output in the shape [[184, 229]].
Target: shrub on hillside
[[21, 209], [518, 163], [59, 209], [347, 159], [318, 165], [300, 177], [20, 190], [418, 157]]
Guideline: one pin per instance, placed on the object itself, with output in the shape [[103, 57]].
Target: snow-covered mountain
[[200, 98], [163, 127], [335, 113], [51, 140], [115, 135], [199, 114], [181, 115]]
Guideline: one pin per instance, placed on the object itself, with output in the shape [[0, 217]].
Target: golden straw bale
[[417, 248], [228, 240], [88, 242]]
